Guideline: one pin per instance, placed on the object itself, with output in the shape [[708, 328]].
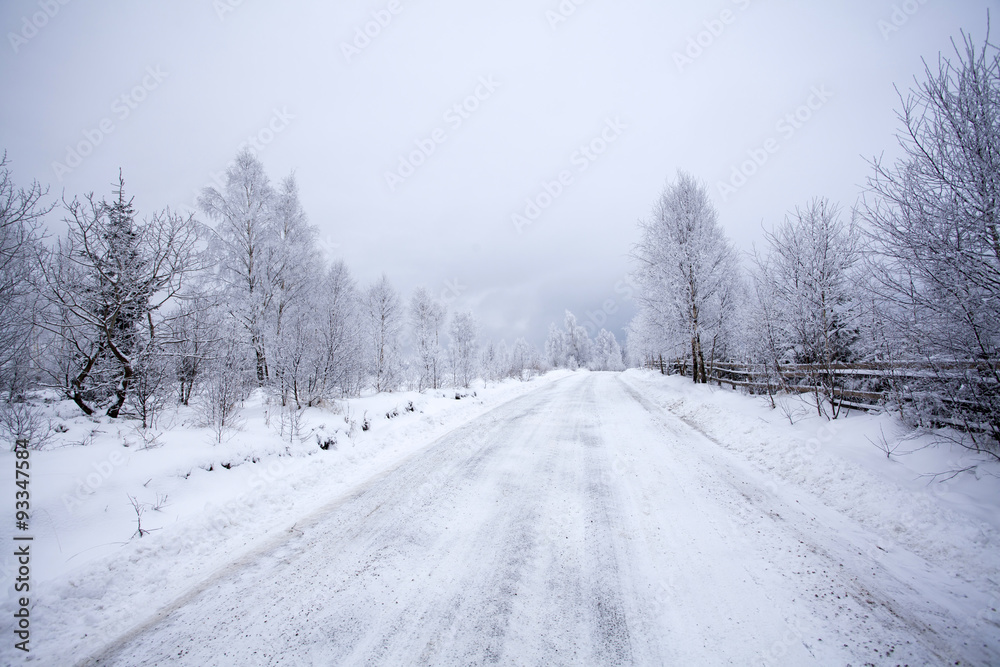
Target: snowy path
[[576, 525]]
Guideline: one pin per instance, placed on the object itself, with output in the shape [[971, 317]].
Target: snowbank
[[951, 520], [205, 504]]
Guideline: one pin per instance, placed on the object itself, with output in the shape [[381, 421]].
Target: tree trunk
[[261, 366], [701, 363], [694, 359], [698, 372], [78, 399], [77, 384], [121, 392], [711, 359]]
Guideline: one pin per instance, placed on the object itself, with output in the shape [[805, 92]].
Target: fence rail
[[861, 386]]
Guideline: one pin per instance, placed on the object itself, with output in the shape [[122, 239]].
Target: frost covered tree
[[464, 348], [293, 264], [523, 359], [320, 351], [763, 339], [579, 348], [269, 266], [229, 378], [569, 347], [383, 322], [341, 345], [495, 361], [21, 231], [427, 316], [607, 353], [294, 350], [246, 239], [295, 272], [194, 331], [650, 343], [725, 325], [934, 217], [555, 347], [808, 286], [685, 263], [500, 365], [107, 285]]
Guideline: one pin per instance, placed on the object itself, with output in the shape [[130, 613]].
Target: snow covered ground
[[582, 518], [891, 544], [92, 578]]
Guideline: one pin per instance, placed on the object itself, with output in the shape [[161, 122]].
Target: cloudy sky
[[499, 154]]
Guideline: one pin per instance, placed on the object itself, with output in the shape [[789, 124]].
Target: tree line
[[126, 314], [572, 348], [910, 275]]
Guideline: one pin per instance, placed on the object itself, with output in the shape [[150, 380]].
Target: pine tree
[[106, 284]]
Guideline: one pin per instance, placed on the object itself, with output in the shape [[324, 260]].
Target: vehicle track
[[576, 525]]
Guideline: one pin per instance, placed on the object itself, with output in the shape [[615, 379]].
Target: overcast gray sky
[[584, 108]]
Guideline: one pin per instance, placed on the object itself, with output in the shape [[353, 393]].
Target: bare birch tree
[[934, 217], [426, 319], [21, 231], [383, 320], [684, 264], [464, 348], [809, 298], [246, 236]]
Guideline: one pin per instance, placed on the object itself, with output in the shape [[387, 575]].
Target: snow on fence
[[866, 386]]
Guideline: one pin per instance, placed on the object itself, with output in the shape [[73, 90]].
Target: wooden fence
[[860, 386]]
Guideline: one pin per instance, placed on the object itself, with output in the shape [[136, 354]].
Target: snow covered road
[[580, 524]]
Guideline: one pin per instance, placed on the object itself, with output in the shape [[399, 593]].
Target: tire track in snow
[[444, 576], [892, 622], [363, 535], [613, 641], [535, 535]]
